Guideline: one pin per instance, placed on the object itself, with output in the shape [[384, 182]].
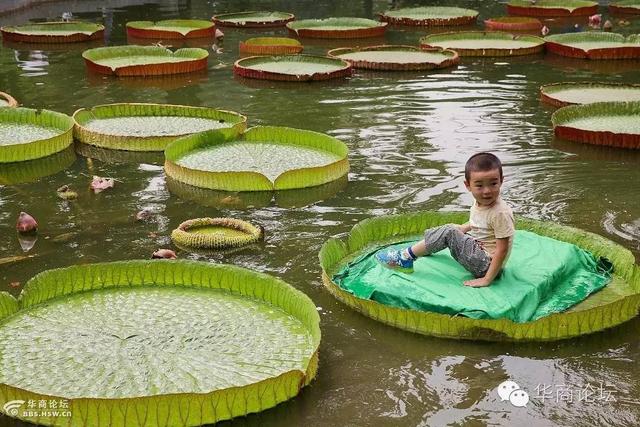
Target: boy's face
[[484, 186]]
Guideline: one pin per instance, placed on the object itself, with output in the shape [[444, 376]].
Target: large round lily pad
[[152, 343], [53, 32], [216, 233], [490, 43], [594, 45], [260, 19], [262, 159], [27, 134], [295, 68], [616, 124], [625, 6], [337, 28], [430, 16], [171, 29], [270, 46], [563, 94], [144, 60], [149, 127], [396, 57], [513, 23], [7, 100], [552, 7], [618, 302]]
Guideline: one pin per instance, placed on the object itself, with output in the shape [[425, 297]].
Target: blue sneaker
[[392, 258]]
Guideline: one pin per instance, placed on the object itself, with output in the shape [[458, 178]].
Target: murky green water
[[409, 136]]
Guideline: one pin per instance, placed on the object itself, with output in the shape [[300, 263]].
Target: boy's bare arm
[[464, 228], [502, 247]]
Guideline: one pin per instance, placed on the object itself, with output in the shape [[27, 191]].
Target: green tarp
[[542, 276]]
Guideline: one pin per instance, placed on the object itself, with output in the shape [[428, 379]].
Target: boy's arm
[[502, 247], [464, 228]]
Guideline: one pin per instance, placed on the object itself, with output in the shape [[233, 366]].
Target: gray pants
[[464, 248]]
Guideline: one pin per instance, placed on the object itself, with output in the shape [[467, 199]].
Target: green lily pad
[[595, 45], [399, 57], [262, 159], [292, 67], [27, 134], [149, 127], [430, 16], [253, 19], [492, 43], [337, 28], [552, 7], [53, 32], [562, 94], [270, 46], [142, 339], [170, 29]]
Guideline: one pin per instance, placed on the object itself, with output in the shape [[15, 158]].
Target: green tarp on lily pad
[[542, 276]]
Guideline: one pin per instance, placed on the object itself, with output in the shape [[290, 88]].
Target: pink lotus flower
[[164, 254], [98, 184], [544, 31], [26, 223]]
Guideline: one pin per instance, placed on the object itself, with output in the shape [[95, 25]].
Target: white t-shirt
[[491, 223]]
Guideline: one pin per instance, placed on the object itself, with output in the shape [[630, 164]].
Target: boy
[[482, 246]]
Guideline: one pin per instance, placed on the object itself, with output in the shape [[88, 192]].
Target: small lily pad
[[270, 46]]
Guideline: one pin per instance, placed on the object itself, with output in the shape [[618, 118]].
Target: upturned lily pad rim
[[153, 29], [548, 91], [93, 56], [179, 408], [243, 67], [579, 320], [41, 147], [223, 19], [621, 47], [513, 23], [451, 60], [137, 109], [10, 100], [256, 181], [186, 234], [457, 16], [21, 32], [568, 38]]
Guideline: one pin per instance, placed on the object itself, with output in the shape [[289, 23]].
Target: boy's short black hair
[[482, 162]]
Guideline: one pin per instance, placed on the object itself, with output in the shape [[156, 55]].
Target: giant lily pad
[[625, 6], [552, 7], [32, 170], [253, 19], [27, 134], [430, 16], [337, 28], [7, 100], [149, 127], [53, 32], [513, 23], [491, 43], [187, 343], [618, 302], [171, 29], [262, 159], [594, 45], [398, 57], [216, 233], [144, 60], [615, 124], [295, 68], [270, 46], [563, 94]]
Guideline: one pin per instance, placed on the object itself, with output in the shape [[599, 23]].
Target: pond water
[[409, 135]]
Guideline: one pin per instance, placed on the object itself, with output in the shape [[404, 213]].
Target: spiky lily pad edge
[[554, 327], [222, 21], [182, 237], [188, 409], [452, 60], [526, 8], [13, 34], [255, 181], [38, 148], [146, 143], [197, 60], [563, 129], [547, 91]]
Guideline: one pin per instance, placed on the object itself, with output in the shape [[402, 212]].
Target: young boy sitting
[[482, 246]]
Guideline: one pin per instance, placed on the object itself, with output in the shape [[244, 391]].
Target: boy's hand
[[477, 283]]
